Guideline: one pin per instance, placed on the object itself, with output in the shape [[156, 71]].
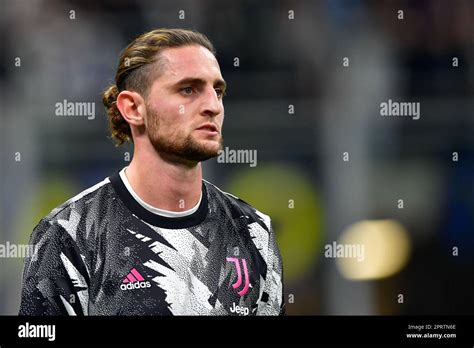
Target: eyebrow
[[200, 82]]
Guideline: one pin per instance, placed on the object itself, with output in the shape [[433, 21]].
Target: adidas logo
[[134, 280]]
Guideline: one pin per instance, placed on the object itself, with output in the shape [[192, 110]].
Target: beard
[[186, 149]]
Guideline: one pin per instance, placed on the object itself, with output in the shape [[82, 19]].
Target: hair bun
[[109, 97], [120, 129]]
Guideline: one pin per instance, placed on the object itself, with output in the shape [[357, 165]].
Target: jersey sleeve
[[272, 299], [55, 279]]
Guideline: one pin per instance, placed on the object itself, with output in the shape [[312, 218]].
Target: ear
[[132, 107]]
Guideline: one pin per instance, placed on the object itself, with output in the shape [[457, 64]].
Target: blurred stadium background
[[314, 197]]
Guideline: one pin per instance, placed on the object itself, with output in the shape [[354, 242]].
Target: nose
[[211, 104]]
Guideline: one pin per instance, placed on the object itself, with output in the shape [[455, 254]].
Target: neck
[[165, 184]]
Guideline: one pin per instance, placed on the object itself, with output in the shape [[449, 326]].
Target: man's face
[[185, 111]]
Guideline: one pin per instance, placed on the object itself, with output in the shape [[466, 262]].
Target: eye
[[187, 90], [220, 93]]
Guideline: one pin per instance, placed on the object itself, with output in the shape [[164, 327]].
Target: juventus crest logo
[[238, 283]]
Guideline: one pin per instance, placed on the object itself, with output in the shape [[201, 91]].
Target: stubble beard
[[187, 150]]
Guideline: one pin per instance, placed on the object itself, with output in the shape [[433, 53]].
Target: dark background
[[301, 180]]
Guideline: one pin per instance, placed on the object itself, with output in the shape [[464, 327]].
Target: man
[[155, 238]]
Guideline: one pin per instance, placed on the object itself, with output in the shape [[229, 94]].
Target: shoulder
[[237, 206], [66, 217]]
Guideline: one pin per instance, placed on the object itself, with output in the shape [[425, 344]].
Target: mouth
[[209, 128]]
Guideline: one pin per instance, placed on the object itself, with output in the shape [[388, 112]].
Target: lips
[[209, 127]]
